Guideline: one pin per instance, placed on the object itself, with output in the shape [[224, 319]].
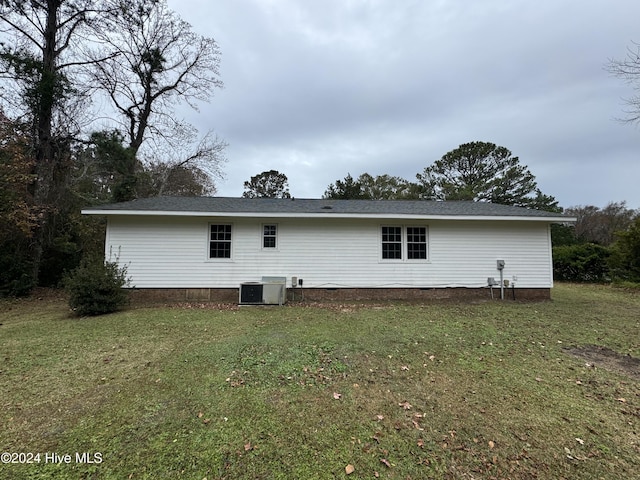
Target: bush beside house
[[96, 287]]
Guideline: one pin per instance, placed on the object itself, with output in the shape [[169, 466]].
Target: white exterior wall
[[172, 252]]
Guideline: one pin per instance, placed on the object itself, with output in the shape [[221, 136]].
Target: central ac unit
[[251, 293], [271, 291]]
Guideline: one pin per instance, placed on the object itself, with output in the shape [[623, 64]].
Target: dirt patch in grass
[[603, 357]]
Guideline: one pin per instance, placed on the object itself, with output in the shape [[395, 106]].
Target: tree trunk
[[44, 149]]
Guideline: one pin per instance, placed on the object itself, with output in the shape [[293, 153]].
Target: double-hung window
[[269, 236], [404, 243], [220, 241], [391, 243], [416, 243]]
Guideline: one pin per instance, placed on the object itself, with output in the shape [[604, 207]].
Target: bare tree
[[161, 63], [600, 225], [628, 69], [188, 169]]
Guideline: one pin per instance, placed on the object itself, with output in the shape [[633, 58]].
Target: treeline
[[602, 246], [88, 97], [474, 171]]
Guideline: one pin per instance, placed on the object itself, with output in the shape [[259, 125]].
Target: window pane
[[416, 243], [221, 232], [220, 241], [391, 242], [417, 251], [391, 234], [269, 236], [220, 250], [416, 234], [391, 250]]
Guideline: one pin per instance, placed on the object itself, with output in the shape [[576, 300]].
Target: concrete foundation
[[419, 295]]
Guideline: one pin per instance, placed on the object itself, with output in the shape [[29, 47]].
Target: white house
[[206, 247]]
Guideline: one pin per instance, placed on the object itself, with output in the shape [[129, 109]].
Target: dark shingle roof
[[320, 207]]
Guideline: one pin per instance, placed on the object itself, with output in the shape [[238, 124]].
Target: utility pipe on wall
[[500, 266]]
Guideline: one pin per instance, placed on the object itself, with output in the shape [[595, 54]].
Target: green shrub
[[585, 262], [625, 258], [96, 287]]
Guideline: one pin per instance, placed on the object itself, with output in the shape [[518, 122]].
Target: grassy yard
[[485, 390]]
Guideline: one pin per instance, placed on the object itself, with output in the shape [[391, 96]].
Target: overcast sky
[[317, 89]]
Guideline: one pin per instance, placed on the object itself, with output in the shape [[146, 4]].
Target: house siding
[[172, 252]]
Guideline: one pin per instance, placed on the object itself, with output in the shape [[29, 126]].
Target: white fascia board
[[382, 216]]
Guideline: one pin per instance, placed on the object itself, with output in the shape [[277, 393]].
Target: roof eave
[[382, 216]]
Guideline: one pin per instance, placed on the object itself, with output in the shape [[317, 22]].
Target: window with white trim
[[391, 243], [396, 240], [416, 243], [220, 241], [269, 236]]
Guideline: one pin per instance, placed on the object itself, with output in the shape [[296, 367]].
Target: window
[[417, 243], [220, 241], [269, 236], [396, 240], [391, 243]]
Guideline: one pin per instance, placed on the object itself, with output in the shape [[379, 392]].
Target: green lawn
[[443, 390]]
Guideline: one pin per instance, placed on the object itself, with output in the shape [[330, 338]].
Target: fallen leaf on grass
[[404, 368], [349, 469], [386, 462], [491, 444], [248, 446], [568, 453], [337, 396], [405, 405], [380, 417], [421, 443], [621, 400], [580, 441]]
